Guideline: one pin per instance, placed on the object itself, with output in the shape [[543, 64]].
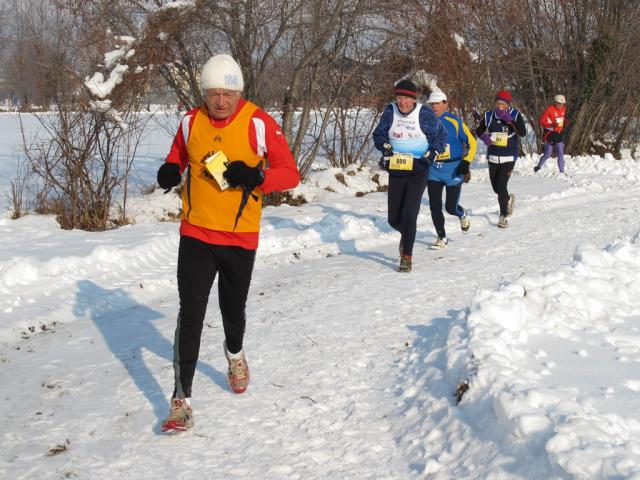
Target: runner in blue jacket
[[410, 136], [450, 169]]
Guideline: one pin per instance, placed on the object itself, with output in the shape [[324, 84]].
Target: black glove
[[169, 176], [383, 163], [463, 168], [429, 157], [387, 150], [241, 175]]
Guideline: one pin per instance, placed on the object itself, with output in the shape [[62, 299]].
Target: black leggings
[[499, 174], [198, 265], [434, 190], [405, 194]]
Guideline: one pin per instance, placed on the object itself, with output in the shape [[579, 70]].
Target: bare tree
[[19, 195], [607, 78], [85, 153], [36, 58], [327, 55], [585, 50], [81, 161], [294, 56], [326, 67]]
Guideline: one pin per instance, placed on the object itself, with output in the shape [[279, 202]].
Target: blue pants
[[548, 149], [446, 172]]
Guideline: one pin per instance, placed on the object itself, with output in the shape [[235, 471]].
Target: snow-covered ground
[[354, 366]]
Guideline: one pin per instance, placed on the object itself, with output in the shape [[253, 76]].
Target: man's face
[[500, 105], [221, 102], [438, 107], [405, 104]]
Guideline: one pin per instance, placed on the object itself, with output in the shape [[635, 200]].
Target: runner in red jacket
[[221, 212], [552, 122]]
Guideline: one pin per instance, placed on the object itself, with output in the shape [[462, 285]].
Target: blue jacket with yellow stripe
[[461, 144]]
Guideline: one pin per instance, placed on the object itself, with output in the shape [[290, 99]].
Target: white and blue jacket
[[414, 132]]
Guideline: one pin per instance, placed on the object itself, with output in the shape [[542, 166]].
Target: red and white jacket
[[267, 140]]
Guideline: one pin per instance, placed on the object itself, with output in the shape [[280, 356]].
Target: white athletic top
[[405, 134]]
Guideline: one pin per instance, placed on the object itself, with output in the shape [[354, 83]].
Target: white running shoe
[[441, 242], [465, 223], [502, 222]]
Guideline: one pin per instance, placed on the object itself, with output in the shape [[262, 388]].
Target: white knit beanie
[[221, 71]]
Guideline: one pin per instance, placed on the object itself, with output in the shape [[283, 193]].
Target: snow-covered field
[[354, 366]]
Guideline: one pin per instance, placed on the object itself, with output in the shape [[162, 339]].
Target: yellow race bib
[[401, 161], [446, 155], [499, 139], [216, 166]]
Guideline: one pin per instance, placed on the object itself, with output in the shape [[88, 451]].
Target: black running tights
[[499, 174], [404, 196], [198, 265], [434, 190]]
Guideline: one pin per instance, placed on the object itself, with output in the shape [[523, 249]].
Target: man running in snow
[[498, 129], [450, 169], [409, 136], [220, 219], [552, 122]]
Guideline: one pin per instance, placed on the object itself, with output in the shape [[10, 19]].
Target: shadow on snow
[[128, 328]]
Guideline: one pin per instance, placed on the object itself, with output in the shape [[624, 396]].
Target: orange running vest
[[203, 203]]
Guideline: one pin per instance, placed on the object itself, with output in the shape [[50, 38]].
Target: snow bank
[[517, 347], [349, 181]]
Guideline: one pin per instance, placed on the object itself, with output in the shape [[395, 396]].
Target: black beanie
[[406, 88]]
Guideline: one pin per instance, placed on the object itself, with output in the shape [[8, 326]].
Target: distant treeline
[[307, 55]]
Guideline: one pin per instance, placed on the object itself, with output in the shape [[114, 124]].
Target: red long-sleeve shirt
[[553, 118]]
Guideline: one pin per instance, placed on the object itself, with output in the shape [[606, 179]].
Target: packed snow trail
[[336, 339]]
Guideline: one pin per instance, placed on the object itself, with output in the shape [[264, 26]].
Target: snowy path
[[316, 381], [335, 344]]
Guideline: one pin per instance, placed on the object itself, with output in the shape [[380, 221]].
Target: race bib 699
[[401, 161]]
